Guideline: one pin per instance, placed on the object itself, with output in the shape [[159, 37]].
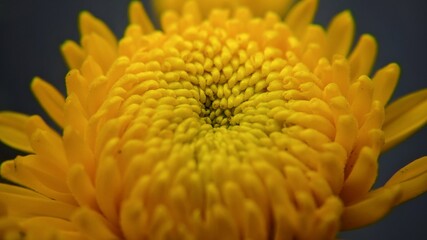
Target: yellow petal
[[340, 34], [89, 24], [92, 224], [76, 84], [24, 171], [137, 15], [108, 188], [74, 55], [363, 56], [404, 116], [43, 222], [259, 8], [411, 179], [13, 130], [96, 46], [371, 209], [51, 100], [78, 152], [360, 97], [24, 202], [346, 133], [90, 69], [301, 15], [361, 177], [385, 81], [81, 187]]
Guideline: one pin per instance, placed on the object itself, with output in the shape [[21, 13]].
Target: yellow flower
[[258, 8], [227, 126]]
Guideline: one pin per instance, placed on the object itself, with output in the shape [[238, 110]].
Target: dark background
[[31, 32]]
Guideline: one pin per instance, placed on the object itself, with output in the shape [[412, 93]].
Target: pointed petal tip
[[13, 130]]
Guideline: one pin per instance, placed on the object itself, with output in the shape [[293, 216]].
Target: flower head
[[221, 126]]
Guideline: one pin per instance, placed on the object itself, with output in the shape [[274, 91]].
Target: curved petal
[[403, 117], [362, 176], [371, 209], [50, 99], [411, 179], [13, 131]]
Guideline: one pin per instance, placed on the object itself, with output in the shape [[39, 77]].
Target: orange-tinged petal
[[370, 209], [51, 100], [363, 56], [137, 15], [385, 81], [13, 130], [301, 15], [412, 179], [403, 117], [340, 34]]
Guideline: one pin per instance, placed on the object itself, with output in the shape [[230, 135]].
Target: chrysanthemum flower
[[224, 127]]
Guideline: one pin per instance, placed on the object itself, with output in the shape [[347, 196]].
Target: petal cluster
[[221, 126]]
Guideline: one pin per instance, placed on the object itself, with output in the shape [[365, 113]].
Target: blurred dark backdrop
[[31, 32]]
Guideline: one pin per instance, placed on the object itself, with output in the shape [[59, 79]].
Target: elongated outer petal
[[385, 81], [48, 228], [21, 201], [370, 209], [73, 54], [301, 15], [412, 179], [90, 24], [340, 34], [363, 56], [137, 15], [51, 100], [404, 117], [13, 131]]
